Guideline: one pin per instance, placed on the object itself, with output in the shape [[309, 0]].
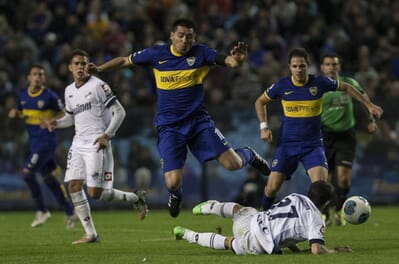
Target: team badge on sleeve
[[107, 90], [108, 176]]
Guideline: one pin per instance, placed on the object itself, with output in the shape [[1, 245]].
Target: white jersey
[[89, 106], [295, 218]]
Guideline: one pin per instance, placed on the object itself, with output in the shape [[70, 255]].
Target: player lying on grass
[[294, 219]]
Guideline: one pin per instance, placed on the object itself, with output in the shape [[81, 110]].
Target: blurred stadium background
[[364, 33]]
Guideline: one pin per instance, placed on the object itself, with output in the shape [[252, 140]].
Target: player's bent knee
[[75, 186]]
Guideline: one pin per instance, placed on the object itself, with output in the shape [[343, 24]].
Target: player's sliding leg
[[210, 240], [214, 207], [136, 198], [82, 210]]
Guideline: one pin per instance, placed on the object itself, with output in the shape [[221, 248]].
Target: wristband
[[263, 125]]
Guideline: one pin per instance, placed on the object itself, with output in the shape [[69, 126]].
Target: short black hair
[[38, 66], [320, 192], [330, 55], [184, 22], [79, 52], [299, 52]]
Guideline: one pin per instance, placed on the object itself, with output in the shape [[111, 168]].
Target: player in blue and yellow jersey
[[33, 104], [182, 120], [300, 138], [338, 125]]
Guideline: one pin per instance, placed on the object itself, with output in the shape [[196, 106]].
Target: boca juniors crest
[[190, 61], [313, 90], [40, 104]]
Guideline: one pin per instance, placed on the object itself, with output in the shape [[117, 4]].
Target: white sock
[[117, 195], [82, 209], [210, 240], [220, 209]]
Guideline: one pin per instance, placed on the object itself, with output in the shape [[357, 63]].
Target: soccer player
[[34, 102], [300, 138], [182, 120], [338, 122], [294, 219], [94, 110]]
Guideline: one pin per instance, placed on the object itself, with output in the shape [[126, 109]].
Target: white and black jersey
[[89, 105], [295, 218]]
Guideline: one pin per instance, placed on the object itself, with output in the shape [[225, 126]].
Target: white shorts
[[95, 168], [244, 241]]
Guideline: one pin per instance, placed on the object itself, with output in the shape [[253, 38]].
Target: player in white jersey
[[94, 110], [294, 219]]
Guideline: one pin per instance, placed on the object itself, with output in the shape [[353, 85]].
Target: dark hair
[[79, 52], [184, 22], [320, 192], [299, 52], [38, 66], [330, 55]]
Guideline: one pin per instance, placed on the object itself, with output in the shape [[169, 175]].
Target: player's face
[[182, 39], [78, 67], [36, 77], [330, 67], [299, 69]]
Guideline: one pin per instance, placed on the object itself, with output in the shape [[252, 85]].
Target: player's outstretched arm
[[317, 249], [238, 55], [373, 109], [114, 64]]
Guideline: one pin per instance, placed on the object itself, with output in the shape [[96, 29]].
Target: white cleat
[[87, 239], [198, 209], [141, 205], [40, 218]]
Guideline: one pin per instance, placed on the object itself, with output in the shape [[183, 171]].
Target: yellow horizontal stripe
[[32, 116], [169, 80], [298, 109]]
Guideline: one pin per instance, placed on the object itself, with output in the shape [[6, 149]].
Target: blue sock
[[177, 193], [267, 202], [60, 194], [35, 190], [245, 154]]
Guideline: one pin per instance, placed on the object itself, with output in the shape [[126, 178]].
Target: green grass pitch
[[125, 239]]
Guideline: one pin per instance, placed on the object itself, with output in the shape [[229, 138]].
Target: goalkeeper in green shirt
[[338, 122]]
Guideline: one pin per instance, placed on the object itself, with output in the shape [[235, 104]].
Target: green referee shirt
[[337, 108]]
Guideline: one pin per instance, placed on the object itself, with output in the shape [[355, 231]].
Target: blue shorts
[[199, 134], [41, 162], [287, 157]]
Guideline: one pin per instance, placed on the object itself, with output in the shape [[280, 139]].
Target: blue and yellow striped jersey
[[302, 106], [178, 79], [43, 104]]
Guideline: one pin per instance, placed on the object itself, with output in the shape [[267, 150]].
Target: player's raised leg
[[137, 198]]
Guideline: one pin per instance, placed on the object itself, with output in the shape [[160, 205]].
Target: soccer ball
[[356, 210]]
